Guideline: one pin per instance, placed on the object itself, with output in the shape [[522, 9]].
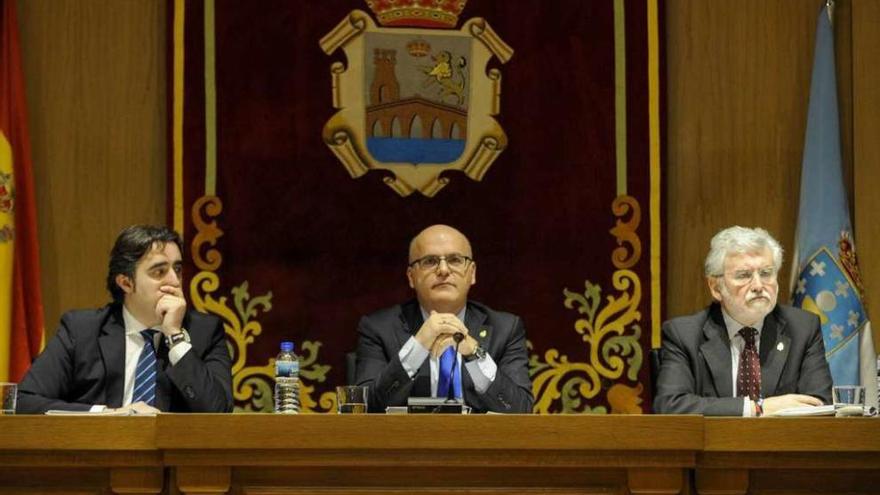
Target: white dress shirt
[[134, 345]]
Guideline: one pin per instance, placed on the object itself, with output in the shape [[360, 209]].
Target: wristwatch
[[173, 340], [479, 353]]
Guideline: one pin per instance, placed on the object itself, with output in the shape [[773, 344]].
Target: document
[[804, 411], [105, 412]]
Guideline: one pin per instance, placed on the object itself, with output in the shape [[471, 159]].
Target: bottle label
[[286, 368]]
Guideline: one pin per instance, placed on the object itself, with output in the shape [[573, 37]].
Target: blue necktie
[[447, 361], [145, 373]]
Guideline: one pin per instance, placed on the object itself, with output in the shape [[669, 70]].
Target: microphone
[[450, 394]]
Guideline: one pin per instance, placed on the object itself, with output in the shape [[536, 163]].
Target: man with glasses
[[410, 349], [744, 355]]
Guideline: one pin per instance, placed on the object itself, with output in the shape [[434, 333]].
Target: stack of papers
[[106, 412], [805, 411]]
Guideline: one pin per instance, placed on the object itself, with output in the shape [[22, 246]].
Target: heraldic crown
[[417, 13]]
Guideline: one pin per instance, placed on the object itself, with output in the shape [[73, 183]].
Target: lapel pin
[[483, 333], [780, 346]]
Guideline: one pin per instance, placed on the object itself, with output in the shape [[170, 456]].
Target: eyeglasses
[[743, 277], [455, 262]]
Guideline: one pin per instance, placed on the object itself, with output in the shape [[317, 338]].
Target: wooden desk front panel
[[261, 454], [442, 454]]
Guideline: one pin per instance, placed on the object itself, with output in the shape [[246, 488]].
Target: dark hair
[[130, 246]]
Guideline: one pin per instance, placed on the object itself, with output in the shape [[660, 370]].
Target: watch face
[[177, 338]]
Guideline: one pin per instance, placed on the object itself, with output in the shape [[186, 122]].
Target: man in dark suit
[[409, 349], [744, 355], [144, 352]]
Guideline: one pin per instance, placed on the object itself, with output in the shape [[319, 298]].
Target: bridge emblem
[[415, 102]]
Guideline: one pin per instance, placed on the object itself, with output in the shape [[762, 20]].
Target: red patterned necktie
[[748, 377]]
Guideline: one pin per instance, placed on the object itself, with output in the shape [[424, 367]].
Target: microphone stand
[[438, 405], [450, 394]]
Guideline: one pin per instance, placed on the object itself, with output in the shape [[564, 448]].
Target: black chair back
[[350, 368], [654, 360]]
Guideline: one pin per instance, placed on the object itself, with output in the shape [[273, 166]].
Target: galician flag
[[826, 279]]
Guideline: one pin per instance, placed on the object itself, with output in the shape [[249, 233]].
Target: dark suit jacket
[[383, 333], [696, 375], [84, 365]]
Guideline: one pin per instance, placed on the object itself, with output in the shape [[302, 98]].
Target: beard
[[752, 309]]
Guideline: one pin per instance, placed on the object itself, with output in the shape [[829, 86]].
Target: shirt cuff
[[97, 408], [482, 372], [747, 408], [412, 355], [176, 353]]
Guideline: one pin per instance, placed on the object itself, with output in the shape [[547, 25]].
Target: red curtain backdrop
[[301, 250]]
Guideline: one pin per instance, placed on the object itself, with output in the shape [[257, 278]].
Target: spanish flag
[[21, 307]]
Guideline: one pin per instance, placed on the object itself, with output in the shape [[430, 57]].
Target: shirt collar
[[132, 324], [733, 326]]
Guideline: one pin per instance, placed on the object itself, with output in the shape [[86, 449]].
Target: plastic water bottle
[[287, 380]]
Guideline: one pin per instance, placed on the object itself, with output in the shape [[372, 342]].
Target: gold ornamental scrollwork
[[207, 232], [610, 331], [625, 232], [252, 386]]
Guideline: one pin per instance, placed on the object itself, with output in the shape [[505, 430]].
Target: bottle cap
[[287, 346]]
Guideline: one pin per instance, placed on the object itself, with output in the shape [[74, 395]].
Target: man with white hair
[[744, 355]]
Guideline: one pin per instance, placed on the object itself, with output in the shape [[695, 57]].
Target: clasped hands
[[437, 333]]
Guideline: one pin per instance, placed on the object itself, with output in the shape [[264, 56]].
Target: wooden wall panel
[[738, 89], [96, 92], [738, 85], [866, 149]]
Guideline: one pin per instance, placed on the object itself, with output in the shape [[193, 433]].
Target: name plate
[[432, 405]]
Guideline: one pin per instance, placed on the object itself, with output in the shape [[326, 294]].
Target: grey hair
[[738, 239]]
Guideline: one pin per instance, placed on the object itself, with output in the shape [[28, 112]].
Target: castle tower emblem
[[415, 102]]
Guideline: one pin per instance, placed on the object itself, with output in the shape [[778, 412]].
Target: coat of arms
[[415, 98], [7, 201]]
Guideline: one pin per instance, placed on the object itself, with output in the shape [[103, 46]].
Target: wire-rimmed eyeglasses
[[456, 262]]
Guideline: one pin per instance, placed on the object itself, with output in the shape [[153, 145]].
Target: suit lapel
[[775, 345], [164, 387], [475, 321], [715, 350], [163, 383], [410, 322], [112, 344]]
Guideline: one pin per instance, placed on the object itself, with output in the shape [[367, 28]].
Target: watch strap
[[479, 353], [173, 340]]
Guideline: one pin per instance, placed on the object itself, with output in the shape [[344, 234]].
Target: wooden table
[[789, 455], [79, 454], [329, 454]]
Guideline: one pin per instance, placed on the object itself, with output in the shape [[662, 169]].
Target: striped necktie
[[145, 373]]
